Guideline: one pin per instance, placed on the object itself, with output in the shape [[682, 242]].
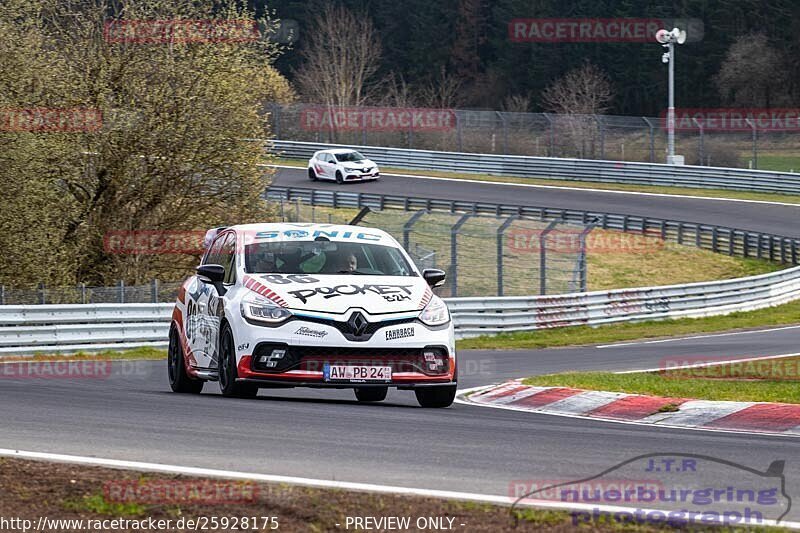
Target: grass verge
[[69, 492], [771, 380], [145, 353], [581, 335], [686, 191]]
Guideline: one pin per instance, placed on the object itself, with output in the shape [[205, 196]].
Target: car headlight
[[260, 309], [436, 313]]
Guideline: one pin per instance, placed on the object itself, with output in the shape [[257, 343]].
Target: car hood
[[359, 164], [336, 294]]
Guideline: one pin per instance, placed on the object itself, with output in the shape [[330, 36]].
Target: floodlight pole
[[671, 106]]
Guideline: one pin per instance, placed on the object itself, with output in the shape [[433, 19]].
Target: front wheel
[[339, 177], [179, 380], [436, 396], [371, 394], [228, 385]]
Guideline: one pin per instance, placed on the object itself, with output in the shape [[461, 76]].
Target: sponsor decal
[[279, 279], [243, 347], [399, 333], [321, 118], [391, 293], [308, 332], [303, 234]]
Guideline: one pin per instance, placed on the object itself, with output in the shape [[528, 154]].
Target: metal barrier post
[[652, 140], [755, 142], [121, 291], [500, 240], [543, 256], [454, 253], [581, 264], [83, 293], [407, 228], [701, 149], [2, 295], [154, 290], [42, 293]]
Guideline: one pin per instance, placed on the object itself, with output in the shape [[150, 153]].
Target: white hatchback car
[[341, 165], [312, 305]]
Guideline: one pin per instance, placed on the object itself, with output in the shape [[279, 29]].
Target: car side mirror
[[213, 274], [434, 277]]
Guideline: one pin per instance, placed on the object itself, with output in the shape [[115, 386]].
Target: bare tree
[[443, 91], [753, 73], [578, 97], [341, 58]]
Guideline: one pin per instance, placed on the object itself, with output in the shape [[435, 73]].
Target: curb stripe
[[635, 407], [584, 402], [547, 397], [698, 413], [762, 416]]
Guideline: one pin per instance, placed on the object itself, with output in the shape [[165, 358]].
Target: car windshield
[[325, 257], [349, 156]]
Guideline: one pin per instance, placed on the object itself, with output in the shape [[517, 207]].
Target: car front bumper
[[418, 355]]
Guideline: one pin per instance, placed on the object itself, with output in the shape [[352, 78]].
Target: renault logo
[[358, 324]]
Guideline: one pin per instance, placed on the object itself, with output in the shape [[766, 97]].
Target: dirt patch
[[33, 489]]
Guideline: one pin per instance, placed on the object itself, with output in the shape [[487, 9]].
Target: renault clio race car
[[340, 165], [312, 305]]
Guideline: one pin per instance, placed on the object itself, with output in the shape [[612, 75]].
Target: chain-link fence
[[153, 292], [482, 255], [611, 137]]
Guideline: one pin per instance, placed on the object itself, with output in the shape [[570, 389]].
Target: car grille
[[368, 332], [313, 359]]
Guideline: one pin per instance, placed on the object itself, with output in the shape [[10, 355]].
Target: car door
[[214, 309], [330, 166], [197, 299]]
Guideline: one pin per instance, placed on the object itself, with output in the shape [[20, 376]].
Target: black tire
[[179, 380], [371, 394], [312, 175], [339, 177], [227, 369], [436, 396]]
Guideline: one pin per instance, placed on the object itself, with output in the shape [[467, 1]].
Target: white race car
[[312, 305], [341, 165]]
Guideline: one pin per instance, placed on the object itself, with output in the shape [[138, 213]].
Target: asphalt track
[[130, 414], [776, 219]]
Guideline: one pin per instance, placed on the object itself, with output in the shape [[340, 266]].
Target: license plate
[[357, 374]]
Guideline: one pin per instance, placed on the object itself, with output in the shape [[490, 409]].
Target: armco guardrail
[[563, 169], [26, 329], [719, 239], [69, 328]]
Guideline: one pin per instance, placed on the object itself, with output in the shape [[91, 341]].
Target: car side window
[[228, 258], [213, 255], [329, 158]]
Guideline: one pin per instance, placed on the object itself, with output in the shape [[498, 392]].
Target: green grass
[[144, 353], [581, 335], [779, 163], [97, 504], [677, 385]]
